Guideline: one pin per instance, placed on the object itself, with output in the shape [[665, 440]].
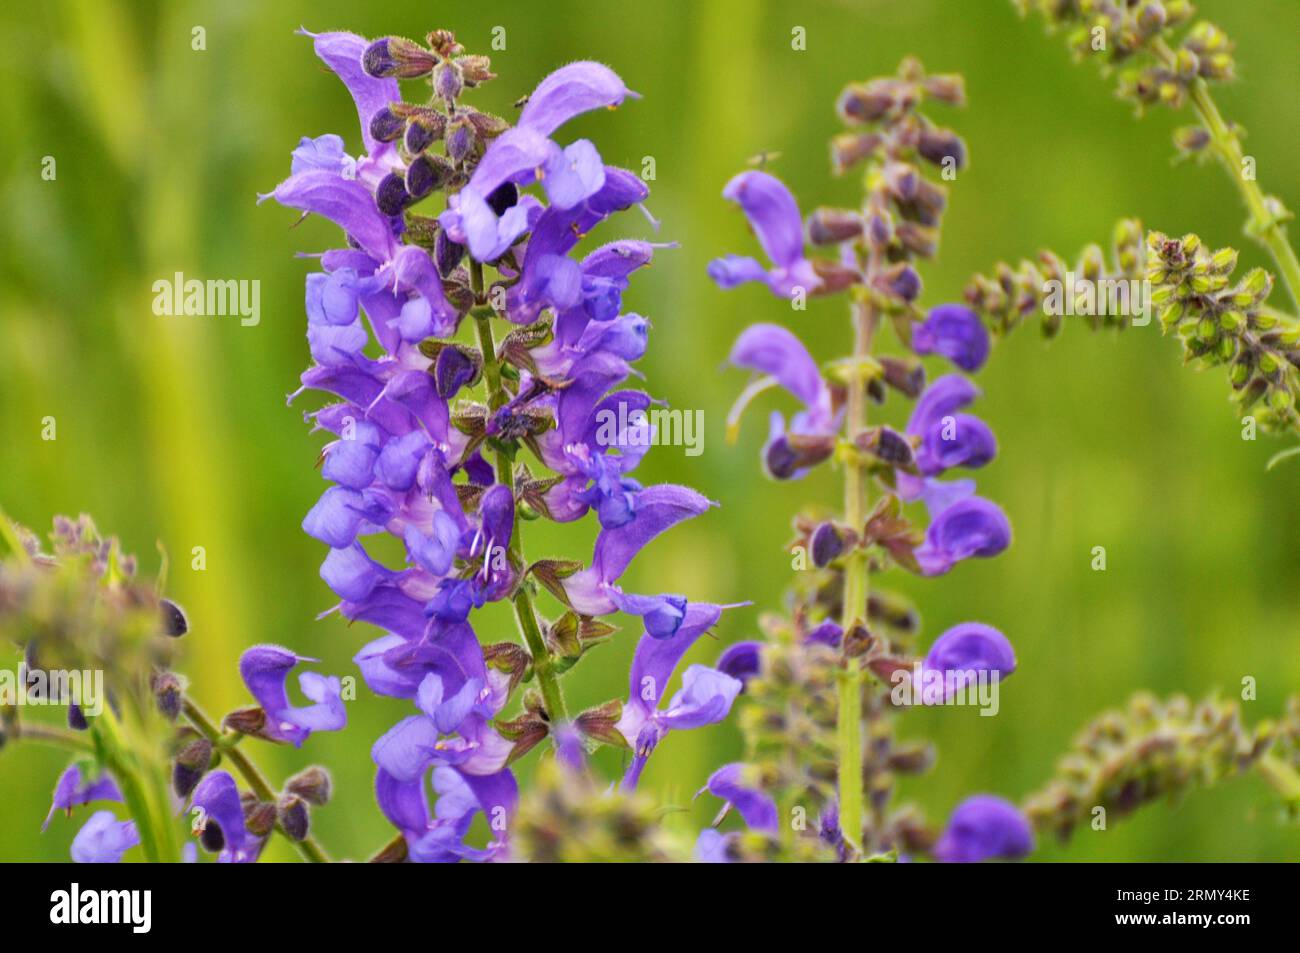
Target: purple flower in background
[[947, 439], [221, 820], [104, 839], [959, 656], [972, 527], [742, 660], [733, 784], [705, 697], [984, 827], [957, 333], [74, 788], [772, 350], [774, 216], [265, 669]]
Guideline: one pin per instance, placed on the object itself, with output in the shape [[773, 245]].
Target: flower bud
[[460, 140], [456, 367], [191, 763], [938, 145], [907, 376], [294, 816], [476, 69], [868, 102], [1190, 139], [168, 693], [850, 148], [447, 254], [312, 784], [386, 126], [448, 81], [397, 56], [827, 544], [831, 226], [174, 622], [391, 196], [900, 281], [599, 722], [259, 816], [426, 174]]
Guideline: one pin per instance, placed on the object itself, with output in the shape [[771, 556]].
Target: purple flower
[[656, 509], [742, 660], [947, 439], [984, 827], [705, 697], [956, 332], [440, 837], [734, 784], [959, 656], [772, 350], [221, 817], [774, 216], [265, 668], [74, 788], [972, 527], [104, 839]]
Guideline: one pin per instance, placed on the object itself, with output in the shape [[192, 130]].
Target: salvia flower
[[220, 823], [265, 668], [984, 827], [955, 332], [104, 839], [774, 215], [961, 655]]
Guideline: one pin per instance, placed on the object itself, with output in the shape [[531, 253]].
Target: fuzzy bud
[[312, 784], [397, 56], [827, 544], [174, 622], [831, 226], [191, 763], [169, 694], [294, 816]]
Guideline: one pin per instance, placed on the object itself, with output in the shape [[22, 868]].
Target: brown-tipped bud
[[947, 88], [174, 622], [476, 69], [861, 103], [598, 723], [900, 281], [386, 126], [831, 226], [391, 196], [447, 254], [399, 57], [1191, 139], [294, 817], [850, 148], [903, 180], [312, 784], [826, 544], [259, 816], [443, 42], [905, 375], [168, 694], [508, 657], [420, 134], [525, 731], [920, 240], [858, 641], [942, 147], [246, 721], [427, 173], [889, 446], [191, 763]]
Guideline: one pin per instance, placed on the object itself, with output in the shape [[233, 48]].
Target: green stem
[[56, 737], [143, 790], [525, 613], [856, 586], [256, 781], [1227, 146]]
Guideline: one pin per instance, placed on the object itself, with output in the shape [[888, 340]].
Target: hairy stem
[[55, 737], [256, 781], [548, 680], [1227, 146]]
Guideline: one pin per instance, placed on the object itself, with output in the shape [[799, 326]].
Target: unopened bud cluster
[[1223, 320]]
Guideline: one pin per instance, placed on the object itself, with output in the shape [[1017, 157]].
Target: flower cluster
[[815, 724], [417, 455], [100, 642]]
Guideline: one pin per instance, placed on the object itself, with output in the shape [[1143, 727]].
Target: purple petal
[[984, 827], [972, 527], [771, 349], [217, 796], [265, 668], [773, 213], [705, 698], [757, 808], [967, 649], [570, 91], [345, 202], [341, 52], [74, 789], [655, 660], [104, 839], [956, 332], [742, 660]]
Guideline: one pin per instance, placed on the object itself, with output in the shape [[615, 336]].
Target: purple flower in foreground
[[221, 813], [984, 827], [265, 668], [440, 837], [104, 839], [772, 350], [705, 697], [956, 332], [774, 215], [972, 527]]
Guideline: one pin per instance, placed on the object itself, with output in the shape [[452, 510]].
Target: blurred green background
[[175, 430]]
